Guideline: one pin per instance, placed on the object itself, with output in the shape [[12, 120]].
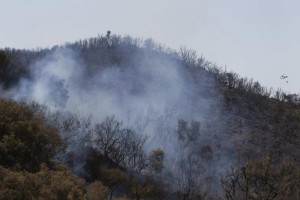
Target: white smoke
[[150, 96]]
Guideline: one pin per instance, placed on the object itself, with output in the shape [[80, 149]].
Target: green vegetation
[[26, 140]]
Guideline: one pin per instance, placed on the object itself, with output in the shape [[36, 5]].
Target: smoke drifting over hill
[[150, 95], [159, 118], [170, 124], [151, 89]]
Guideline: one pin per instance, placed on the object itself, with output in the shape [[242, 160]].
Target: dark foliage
[[26, 141]]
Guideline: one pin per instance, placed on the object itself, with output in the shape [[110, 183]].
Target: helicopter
[[282, 77]]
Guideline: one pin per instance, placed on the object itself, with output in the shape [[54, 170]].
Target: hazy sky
[[255, 38]]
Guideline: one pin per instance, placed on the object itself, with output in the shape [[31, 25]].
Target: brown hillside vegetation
[[124, 118]]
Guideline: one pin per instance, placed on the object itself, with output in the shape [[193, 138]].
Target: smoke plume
[[150, 96]]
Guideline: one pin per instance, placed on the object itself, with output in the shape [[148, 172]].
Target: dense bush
[[25, 139]]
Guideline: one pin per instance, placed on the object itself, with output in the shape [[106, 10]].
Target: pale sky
[[256, 38]]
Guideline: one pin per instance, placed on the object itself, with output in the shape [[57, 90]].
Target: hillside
[[117, 117]]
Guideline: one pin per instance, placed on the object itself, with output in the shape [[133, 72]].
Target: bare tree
[[108, 135], [262, 180], [121, 145]]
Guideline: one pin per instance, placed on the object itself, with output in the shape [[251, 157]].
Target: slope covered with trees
[[114, 117]]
